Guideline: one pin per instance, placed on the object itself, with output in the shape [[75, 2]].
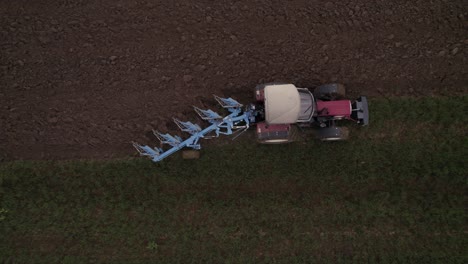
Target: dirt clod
[[188, 78]]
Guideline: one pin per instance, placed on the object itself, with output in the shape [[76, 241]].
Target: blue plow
[[237, 120]]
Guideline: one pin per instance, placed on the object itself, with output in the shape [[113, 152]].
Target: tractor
[[277, 108], [284, 105]]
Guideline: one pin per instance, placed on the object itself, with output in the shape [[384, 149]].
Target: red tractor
[[281, 105]]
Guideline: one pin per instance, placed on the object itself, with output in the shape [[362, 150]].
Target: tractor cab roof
[[282, 104]]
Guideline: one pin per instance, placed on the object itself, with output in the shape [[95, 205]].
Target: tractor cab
[[286, 104], [283, 105]]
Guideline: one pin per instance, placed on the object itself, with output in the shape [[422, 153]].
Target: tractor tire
[[330, 92], [190, 154], [333, 133], [295, 135]]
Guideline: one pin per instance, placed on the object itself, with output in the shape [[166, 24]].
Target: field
[[395, 193], [81, 79]]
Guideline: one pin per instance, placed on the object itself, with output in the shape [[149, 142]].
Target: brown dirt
[[81, 79]]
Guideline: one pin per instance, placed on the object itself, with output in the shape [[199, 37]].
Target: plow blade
[[207, 114], [147, 151], [227, 102], [167, 139], [188, 127]]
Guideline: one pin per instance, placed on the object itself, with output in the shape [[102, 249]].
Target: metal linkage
[[219, 125]]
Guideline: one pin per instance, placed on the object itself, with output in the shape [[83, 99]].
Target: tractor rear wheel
[[330, 92], [190, 154], [294, 135], [333, 133]]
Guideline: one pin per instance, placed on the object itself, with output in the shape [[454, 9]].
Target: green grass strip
[[394, 193]]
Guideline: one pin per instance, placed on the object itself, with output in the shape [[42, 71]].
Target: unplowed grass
[[394, 193]]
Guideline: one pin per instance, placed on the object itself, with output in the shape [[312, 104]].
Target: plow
[[276, 108]]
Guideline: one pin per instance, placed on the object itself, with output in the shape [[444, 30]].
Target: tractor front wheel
[[330, 92], [333, 133]]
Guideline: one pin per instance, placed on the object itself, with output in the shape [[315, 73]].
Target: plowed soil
[[81, 79]]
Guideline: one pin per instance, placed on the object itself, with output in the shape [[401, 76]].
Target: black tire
[[333, 133], [330, 92], [190, 154]]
